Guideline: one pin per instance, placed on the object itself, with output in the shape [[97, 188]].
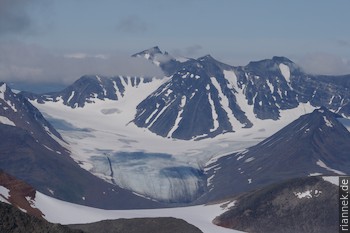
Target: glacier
[[174, 167]]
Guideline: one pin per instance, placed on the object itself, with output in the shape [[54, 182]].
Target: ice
[[315, 174], [285, 72], [345, 122], [6, 121], [169, 91], [214, 114], [328, 123], [181, 59], [323, 165], [272, 88], [168, 181], [4, 195], [48, 148], [314, 93], [71, 96], [51, 191], [192, 95], [210, 180], [54, 137], [117, 91], [160, 113], [332, 179], [249, 159], [179, 116], [224, 101], [3, 89], [11, 105], [151, 116], [341, 104], [230, 204], [307, 194]]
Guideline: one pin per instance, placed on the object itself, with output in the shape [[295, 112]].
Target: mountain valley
[[206, 132]]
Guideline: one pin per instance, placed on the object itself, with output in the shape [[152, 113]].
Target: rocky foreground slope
[[305, 205]]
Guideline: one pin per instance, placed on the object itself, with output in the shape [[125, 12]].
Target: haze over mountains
[[204, 132]]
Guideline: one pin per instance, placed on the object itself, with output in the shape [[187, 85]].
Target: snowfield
[[57, 211]]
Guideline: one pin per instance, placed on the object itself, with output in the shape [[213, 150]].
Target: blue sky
[[37, 33]]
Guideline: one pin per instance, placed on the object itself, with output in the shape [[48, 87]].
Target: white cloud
[[325, 63], [190, 51], [32, 63], [85, 55]]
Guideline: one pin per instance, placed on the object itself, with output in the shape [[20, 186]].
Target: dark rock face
[[305, 205], [267, 86], [314, 143], [331, 92], [22, 114], [13, 220], [141, 225]]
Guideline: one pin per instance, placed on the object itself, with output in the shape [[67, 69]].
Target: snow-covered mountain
[[205, 98], [192, 103], [90, 88], [315, 144]]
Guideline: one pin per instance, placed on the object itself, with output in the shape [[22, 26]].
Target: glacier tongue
[[154, 175]]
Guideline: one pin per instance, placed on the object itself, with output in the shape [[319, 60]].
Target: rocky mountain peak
[[149, 53]]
